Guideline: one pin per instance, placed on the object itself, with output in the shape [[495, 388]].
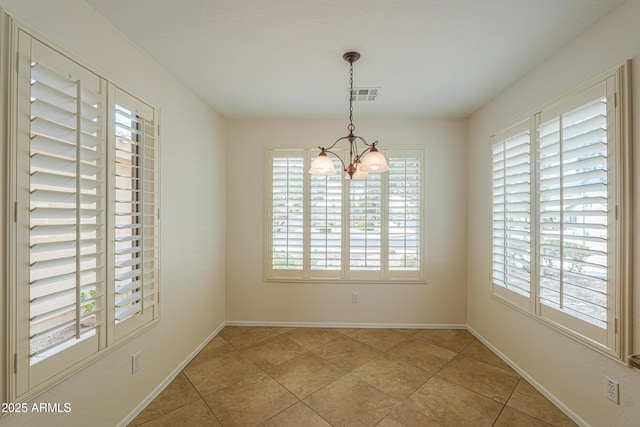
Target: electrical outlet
[[136, 363], [355, 297], [611, 390]]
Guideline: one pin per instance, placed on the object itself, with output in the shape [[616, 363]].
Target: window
[[330, 228], [84, 242], [558, 233]]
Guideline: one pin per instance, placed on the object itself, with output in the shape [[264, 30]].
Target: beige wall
[[566, 369], [194, 211], [251, 299], [193, 220]]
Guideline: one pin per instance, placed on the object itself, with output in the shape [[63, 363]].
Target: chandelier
[[361, 163]]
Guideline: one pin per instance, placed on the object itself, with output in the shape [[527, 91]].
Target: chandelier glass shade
[[360, 163]]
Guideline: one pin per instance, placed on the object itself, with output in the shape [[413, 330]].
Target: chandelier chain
[[351, 127]]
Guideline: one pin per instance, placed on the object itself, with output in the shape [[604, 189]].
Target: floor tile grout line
[[507, 372], [474, 391], [346, 372], [241, 351], [281, 411], [298, 399], [505, 403], [380, 353], [435, 374], [459, 354], [174, 409], [307, 351], [202, 397], [522, 412], [529, 415], [315, 348], [316, 412], [338, 379], [405, 337], [168, 412]]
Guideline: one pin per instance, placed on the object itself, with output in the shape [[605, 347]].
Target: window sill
[[610, 353], [326, 280]]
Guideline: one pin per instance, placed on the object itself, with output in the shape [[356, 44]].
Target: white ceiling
[[283, 58]]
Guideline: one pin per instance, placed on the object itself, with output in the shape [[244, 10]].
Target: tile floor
[[307, 377]]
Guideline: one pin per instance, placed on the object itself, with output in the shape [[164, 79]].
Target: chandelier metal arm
[[324, 150], [354, 137], [353, 147], [369, 147]]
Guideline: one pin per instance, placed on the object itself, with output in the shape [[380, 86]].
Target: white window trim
[[9, 30], [343, 275], [623, 303]]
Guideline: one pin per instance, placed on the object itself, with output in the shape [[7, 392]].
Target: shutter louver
[[326, 220], [573, 209], [66, 219], [287, 213], [405, 213], [136, 226]]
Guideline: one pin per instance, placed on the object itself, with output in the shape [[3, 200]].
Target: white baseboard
[[568, 412], [156, 391], [345, 325]]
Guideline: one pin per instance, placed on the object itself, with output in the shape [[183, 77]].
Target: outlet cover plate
[[612, 390], [136, 362]]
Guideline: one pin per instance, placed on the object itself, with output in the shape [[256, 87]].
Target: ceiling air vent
[[363, 93]]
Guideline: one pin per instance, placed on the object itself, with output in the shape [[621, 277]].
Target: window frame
[[344, 274], [618, 333], [19, 386]]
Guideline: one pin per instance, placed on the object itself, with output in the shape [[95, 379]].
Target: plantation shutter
[[404, 212], [576, 213], [365, 223], [326, 221], [135, 214], [330, 228], [574, 248], [83, 264], [63, 107], [287, 211], [511, 247]]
